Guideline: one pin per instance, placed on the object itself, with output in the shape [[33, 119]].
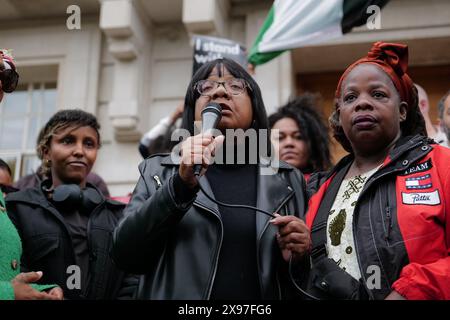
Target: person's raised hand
[[199, 149]]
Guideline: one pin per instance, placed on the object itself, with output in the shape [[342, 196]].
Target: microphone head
[[213, 107], [211, 116]]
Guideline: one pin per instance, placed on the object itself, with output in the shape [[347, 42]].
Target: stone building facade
[[130, 61]]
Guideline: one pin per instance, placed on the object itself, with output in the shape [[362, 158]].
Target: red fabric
[[426, 233], [393, 59], [314, 202], [425, 230], [123, 199], [307, 176]]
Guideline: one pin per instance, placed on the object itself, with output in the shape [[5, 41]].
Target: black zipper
[[216, 258], [61, 220], [387, 232], [92, 255], [358, 258], [388, 214], [158, 181]]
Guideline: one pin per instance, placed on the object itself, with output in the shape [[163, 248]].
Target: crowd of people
[[292, 225]]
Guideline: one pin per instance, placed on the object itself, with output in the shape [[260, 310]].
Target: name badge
[[425, 198]]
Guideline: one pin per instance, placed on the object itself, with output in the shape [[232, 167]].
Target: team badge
[[421, 182]]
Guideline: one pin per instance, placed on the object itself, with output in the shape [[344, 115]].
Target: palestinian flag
[[297, 23]]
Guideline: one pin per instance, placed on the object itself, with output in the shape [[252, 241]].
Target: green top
[[10, 252]]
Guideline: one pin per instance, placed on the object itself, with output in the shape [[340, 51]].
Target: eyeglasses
[[233, 86], [9, 79]]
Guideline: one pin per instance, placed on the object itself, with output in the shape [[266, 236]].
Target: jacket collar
[[272, 193], [172, 160], [36, 196], [406, 148], [406, 151]]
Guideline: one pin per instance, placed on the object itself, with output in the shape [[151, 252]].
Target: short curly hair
[[413, 124]]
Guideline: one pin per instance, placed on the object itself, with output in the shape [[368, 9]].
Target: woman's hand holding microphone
[[199, 149]]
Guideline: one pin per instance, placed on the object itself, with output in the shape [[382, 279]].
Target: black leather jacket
[[47, 245], [176, 246]]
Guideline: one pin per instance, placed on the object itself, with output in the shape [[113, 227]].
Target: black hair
[[413, 124], [312, 126], [441, 105], [259, 111], [4, 165]]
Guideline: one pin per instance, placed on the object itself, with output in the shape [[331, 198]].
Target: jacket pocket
[[41, 246]]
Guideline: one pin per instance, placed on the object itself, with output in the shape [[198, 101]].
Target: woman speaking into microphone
[[178, 234]]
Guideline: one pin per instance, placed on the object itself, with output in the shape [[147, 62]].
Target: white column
[[126, 29], [206, 16]]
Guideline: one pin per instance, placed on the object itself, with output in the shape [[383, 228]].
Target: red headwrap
[[393, 59]]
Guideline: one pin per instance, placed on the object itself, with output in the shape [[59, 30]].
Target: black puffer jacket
[[47, 245], [176, 246]]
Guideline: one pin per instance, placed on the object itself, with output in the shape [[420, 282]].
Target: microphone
[[211, 116]]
